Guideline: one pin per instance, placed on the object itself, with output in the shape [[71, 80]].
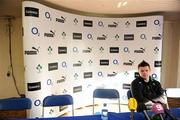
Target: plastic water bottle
[[155, 117], [104, 112]]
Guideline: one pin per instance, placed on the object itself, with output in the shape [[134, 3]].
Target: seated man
[[145, 89]]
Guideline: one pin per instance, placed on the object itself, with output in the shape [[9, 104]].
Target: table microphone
[[167, 112], [142, 108], [132, 105], [158, 109]]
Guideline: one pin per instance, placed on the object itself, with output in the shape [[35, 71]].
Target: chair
[[14, 107], [15, 104], [173, 97], [58, 100], [173, 92], [106, 94], [129, 94]]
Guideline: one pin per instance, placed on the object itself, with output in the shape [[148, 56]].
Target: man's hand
[[149, 105]]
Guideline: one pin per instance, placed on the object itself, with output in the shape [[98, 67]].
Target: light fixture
[[120, 4], [124, 3]]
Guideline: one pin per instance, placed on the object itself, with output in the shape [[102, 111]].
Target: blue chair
[[106, 94], [14, 107], [58, 100], [15, 104], [172, 94], [129, 94]]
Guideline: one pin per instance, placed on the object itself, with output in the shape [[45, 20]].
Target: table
[[139, 115], [87, 117], [111, 116]]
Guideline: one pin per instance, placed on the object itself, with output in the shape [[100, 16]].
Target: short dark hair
[[143, 64]]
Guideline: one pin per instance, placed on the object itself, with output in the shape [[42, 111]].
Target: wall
[[7, 88], [178, 79], [170, 68], [171, 54]]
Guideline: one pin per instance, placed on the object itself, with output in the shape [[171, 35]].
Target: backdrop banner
[[66, 53]]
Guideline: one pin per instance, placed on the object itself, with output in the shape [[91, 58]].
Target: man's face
[[144, 72]]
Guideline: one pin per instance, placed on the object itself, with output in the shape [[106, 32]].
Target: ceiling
[[169, 8]]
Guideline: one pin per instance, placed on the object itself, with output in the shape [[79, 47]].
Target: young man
[[145, 89]]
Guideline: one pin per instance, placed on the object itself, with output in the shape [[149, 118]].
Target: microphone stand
[[132, 115], [146, 115], [161, 116], [142, 108]]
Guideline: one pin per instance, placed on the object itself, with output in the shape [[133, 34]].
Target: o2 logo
[[37, 102], [35, 31]]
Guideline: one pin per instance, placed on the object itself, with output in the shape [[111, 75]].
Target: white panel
[[58, 63]]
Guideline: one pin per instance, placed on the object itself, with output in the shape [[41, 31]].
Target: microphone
[[167, 112], [132, 105], [142, 108], [158, 109]]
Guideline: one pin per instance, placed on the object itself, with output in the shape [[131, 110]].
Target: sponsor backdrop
[[66, 53]]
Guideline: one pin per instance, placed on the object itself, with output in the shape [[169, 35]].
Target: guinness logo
[[34, 86], [126, 86], [104, 62], [114, 50], [88, 23], [141, 23], [129, 37], [62, 50], [77, 89], [77, 36], [52, 66], [157, 63], [30, 11], [88, 75]]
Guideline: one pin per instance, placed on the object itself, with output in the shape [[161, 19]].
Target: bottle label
[[104, 112]]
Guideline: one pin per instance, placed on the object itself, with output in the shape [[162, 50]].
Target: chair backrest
[[58, 100], [15, 104], [106, 94], [173, 95], [173, 92], [129, 94]]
